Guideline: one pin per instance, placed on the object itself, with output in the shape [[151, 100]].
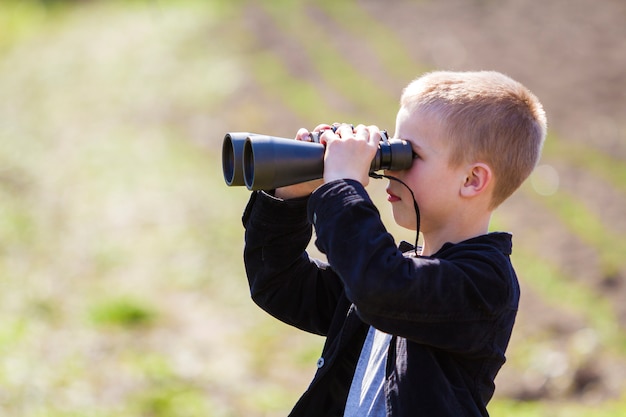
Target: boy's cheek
[[403, 217]]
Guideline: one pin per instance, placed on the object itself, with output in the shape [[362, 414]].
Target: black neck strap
[[417, 210]]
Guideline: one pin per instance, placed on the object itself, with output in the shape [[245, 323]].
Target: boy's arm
[[283, 280], [448, 303]]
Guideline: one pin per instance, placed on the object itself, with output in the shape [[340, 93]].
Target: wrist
[[345, 176], [297, 190]]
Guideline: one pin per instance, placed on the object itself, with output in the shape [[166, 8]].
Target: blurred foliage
[[124, 312]]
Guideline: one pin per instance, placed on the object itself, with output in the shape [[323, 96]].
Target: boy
[[407, 334]]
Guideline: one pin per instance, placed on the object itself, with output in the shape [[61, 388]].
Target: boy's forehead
[[419, 127], [406, 125]]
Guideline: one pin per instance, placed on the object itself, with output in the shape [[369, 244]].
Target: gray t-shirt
[[367, 395]]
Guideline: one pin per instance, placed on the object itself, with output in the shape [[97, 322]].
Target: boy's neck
[[454, 233]]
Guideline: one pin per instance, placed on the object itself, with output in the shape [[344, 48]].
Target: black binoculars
[[262, 162]]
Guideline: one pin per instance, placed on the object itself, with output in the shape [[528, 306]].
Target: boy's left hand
[[349, 152]]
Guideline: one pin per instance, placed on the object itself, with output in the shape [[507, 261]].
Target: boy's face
[[435, 184]]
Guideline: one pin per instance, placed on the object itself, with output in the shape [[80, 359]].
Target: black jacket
[[450, 314]]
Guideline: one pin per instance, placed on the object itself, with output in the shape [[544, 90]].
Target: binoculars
[[262, 162]]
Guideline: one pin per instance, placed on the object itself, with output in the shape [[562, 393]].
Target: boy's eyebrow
[[403, 138], [422, 149], [413, 143]]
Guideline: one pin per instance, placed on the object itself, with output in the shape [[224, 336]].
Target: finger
[[345, 131], [374, 129], [360, 127], [336, 126], [316, 135], [321, 127], [327, 136], [303, 135], [363, 132]]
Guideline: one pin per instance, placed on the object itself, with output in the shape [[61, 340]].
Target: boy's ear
[[478, 179]]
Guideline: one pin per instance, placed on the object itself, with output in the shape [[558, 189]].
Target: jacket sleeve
[[284, 281], [450, 302]]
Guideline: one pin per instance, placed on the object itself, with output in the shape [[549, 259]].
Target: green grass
[[21, 20], [122, 312], [368, 99], [588, 226], [588, 158], [511, 408], [564, 292], [388, 49], [572, 209], [109, 212], [299, 96]]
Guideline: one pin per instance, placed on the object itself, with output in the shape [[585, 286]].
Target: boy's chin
[[405, 223]]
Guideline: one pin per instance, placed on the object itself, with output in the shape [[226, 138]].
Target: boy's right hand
[[305, 188]]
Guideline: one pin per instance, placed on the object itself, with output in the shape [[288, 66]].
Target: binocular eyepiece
[[262, 162]]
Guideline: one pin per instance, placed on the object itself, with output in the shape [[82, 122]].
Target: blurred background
[[121, 276]]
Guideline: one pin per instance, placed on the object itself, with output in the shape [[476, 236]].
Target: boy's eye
[[415, 156]]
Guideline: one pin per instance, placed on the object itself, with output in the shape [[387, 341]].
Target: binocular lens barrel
[[263, 162], [270, 162], [232, 157]]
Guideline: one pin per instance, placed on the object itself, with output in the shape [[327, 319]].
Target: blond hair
[[487, 117]]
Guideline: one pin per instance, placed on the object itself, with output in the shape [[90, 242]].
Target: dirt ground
[[572, 54]]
